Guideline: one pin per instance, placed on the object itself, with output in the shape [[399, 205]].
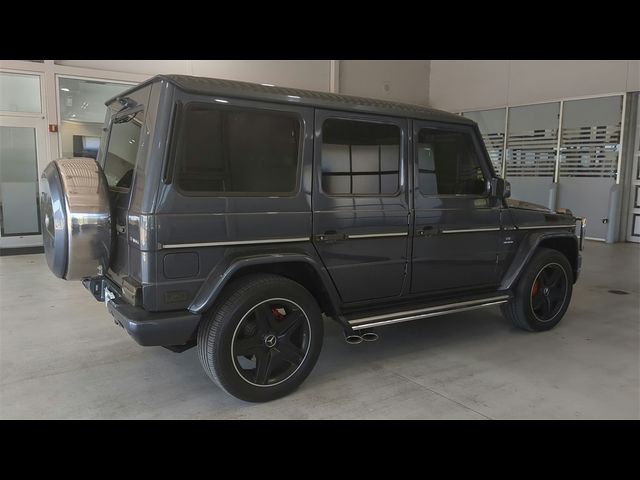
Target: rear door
[[124, 145], [457, 225], [360, 209]]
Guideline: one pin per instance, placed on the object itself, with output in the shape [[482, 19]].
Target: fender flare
[[524, 253], [224, 271]]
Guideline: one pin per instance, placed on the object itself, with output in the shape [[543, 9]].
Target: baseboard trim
[[20, 251]]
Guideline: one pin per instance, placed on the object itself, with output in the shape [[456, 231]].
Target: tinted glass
[[236, 151], [360, 158], [448, 164], [123, 148]]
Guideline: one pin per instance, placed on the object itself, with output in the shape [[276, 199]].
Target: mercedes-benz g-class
[[232, 216]]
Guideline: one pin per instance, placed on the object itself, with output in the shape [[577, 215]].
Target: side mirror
[[500, 188]]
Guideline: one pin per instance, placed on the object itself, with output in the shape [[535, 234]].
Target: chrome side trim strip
[[533, 227], [408, 313], [238, 242], [425, 315], [471, 230], [376, 235]]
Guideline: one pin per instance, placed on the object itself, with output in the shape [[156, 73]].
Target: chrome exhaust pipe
[[352, 338], [369, 336]]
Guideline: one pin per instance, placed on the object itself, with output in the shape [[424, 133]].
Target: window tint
[[233, 151], [448, 164], [360, 158], [123, 149]]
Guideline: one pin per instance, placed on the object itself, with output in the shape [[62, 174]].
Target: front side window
[[448, 164], [121, 153], [237, 151], [360, 158]]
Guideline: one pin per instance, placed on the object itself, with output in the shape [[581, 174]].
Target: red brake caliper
[[276, 314], [536, 287]]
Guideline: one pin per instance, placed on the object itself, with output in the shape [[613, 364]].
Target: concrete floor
[[61, 356]]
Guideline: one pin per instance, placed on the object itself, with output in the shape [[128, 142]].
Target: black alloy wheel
[[271, 342], [548, 292], [262, 338], [543, 292]]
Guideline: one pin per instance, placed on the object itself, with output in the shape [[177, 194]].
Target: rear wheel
[[263, 339], [543, 292]]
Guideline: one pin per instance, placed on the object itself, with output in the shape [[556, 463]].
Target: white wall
[[308, 74], [457, 85], [400, 80]]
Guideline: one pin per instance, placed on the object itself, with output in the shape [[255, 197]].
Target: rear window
[[121, 153], [236, 151]]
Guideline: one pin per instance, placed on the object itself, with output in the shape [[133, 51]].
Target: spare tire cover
[[76, 218]]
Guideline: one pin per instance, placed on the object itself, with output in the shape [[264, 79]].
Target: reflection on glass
[[360, 158], [82, 111], [491, 124], [20, 93], [123, 147], [19, 208]]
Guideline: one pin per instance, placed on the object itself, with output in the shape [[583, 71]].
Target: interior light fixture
[[65, 89], [219, 100]]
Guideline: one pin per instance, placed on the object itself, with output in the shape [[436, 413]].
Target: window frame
[[363, 119], [181, 110], [483, 158]]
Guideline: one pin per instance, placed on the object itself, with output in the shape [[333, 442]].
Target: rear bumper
[[146, 328], [154, 328]]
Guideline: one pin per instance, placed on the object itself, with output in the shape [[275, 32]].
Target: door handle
[[330, 236], [427, 230]]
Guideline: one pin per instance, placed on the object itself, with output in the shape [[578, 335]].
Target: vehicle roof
[[256, 91]]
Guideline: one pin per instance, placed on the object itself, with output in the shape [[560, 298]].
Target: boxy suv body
[[233, 216]]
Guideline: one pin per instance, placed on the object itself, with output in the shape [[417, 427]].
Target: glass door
[[589, 150], [532, 142], [633, 229], [22, 148]]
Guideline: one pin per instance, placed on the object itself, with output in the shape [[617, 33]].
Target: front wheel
[[543, 292], [263, 339]]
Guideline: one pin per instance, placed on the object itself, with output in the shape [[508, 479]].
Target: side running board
[[434, 311]]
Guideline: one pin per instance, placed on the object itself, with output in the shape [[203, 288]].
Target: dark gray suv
[[232, 216]]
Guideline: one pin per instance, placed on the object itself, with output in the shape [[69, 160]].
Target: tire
[[543, 292], [76, 218], [262, 339]]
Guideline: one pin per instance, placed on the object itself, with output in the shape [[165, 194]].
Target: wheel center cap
[[270, 340], [546, 291]]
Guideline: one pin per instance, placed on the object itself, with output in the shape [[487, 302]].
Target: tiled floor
[[61, 356]]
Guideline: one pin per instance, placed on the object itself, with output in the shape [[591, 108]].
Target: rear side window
[[360, 158], [226, 151], [448, 164]]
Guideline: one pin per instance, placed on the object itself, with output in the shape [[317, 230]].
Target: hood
[[513, 203]]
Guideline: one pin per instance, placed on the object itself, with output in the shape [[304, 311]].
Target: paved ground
[[61, 356]]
